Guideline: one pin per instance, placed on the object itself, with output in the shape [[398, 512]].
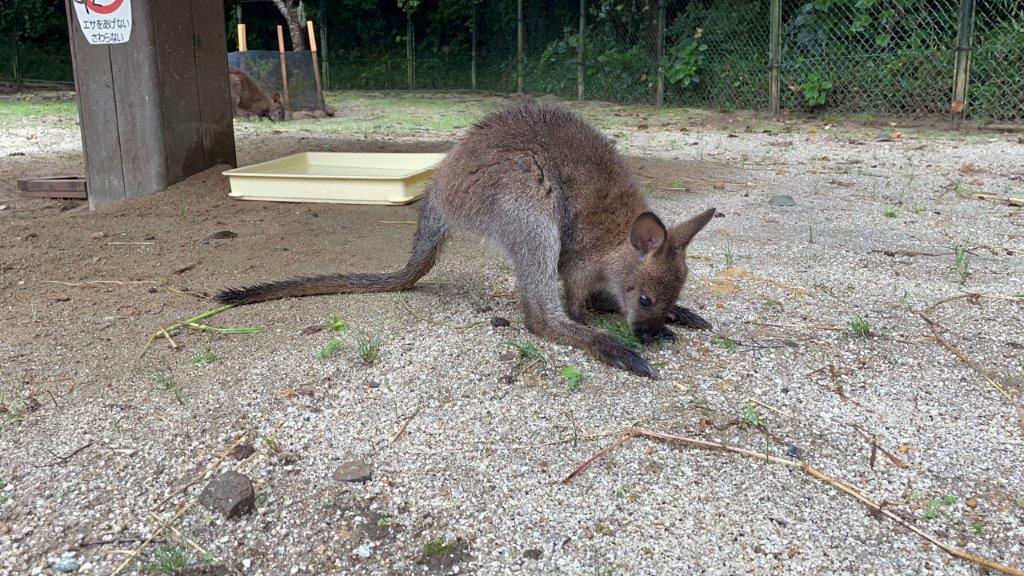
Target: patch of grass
[[527, 350], [437, 547], [890, 212], [1020, 502], [169, 560], [207, 357], [329, 348], [724, 341], [260, 501], [5, 495], [572, 376], [385, 521], [749, 418], [860, 327], [622, 492], [368, 348], [34, 110], [659, 364], [337, 324], [976, 527], [773, 303], [165, 379], [933, 507], [621, 331], [962, 262], [730, 257]]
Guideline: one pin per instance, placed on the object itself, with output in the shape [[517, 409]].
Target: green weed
[[724, 341], [329, 348], [368, 348], [890, 212], [572, 376], [170, 560], [337, 324], [621, 331], [437, 547], [207, 357], [749, 418], [527, 350], [860, 327], [962, 262], [165, 378]]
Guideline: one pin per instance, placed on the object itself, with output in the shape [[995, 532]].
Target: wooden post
[[774, 57], [962, 71], [242, 44], [410, 52], [156, 109], [284, 65], [519, 47], [472, 51], [580, 51], [316, 66], [659, 90]]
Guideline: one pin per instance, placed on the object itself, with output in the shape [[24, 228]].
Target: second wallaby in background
[[247, 97], [552, 193]]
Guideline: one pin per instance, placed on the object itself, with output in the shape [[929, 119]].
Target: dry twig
[[849, 489]]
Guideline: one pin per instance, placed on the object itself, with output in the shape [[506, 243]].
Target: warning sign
[[105, 21]]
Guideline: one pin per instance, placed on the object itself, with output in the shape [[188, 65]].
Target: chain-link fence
[[290, 74], [34, 42], [939, 58]]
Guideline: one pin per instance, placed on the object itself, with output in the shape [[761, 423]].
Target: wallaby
[[551, 192], [248, 98]]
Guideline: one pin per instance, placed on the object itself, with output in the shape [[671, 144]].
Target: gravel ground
[[467, 440]]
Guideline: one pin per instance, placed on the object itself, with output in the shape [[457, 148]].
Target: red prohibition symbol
[[99, 9]]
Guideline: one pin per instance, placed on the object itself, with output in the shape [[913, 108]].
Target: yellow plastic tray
[[343, 177]]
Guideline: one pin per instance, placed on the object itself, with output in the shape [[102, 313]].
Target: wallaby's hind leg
[[533, 248]]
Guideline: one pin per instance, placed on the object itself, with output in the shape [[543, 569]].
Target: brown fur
[[249, 100], [552, 193]]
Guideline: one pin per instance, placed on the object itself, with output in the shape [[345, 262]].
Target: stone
[[66, 564], [243, 451], [230, 493], [782, 200], [533, 553], [353, 471], [222, 235], [98, 235], [499, 322]]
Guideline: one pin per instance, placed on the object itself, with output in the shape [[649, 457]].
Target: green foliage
[[724, 341], [860, 327], [572, 376], [683, 62], [621, 331], [436, 547], [527, 350], [368, 348], [169, 560], [329, 348], [337, 324], [815, 90], [962, 262], [749, 418]]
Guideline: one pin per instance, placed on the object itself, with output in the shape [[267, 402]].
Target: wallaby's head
[[653, 270], [276, 111]]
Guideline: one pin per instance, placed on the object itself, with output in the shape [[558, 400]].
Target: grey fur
[[552, 193]]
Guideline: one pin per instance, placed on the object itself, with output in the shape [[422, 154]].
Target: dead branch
[[849, 489]]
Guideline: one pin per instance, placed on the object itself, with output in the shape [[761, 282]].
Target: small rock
[[972, 502], [309, 330], [373, 384], [230, 493], [782, 200], [364, 551], [794, 451], [16, 154], [243, 451], [3, 206], [353, 471], [719, 214], [222, 235], [66, 564], [533, 553], [481, 309], [152, 290], [98, 235], [499, 322]]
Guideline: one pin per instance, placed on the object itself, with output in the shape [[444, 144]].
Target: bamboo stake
[[284, 64], [316, 66], [195, 324]]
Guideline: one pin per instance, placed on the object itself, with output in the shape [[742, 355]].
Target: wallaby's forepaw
[[687, 318], [616, 354], [663, 334]]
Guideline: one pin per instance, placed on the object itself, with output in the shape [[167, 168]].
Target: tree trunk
[[296, 27]]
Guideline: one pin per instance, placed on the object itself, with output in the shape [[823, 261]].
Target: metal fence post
[[472, 51], [410, 52], [14, 37], [962, 72], [580, 50], [775, 57], [325, 72], [519, 48], [659, 94]]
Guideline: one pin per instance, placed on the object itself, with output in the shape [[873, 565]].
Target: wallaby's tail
[[431, 232]]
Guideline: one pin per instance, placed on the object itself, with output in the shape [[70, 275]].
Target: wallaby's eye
[[645, 300]]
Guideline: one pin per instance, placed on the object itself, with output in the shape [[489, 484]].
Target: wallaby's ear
[[648, 233], [683, 232], [277, 98]]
